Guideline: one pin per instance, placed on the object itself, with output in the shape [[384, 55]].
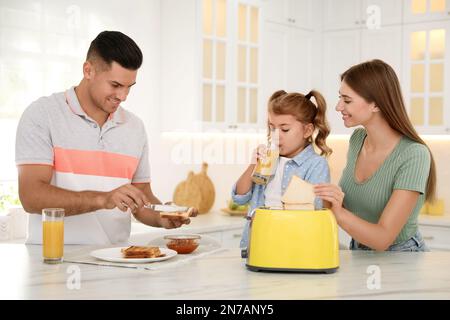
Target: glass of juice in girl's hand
[[267, 162], [53, 235]]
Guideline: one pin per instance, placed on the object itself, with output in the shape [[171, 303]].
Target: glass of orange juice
[[53, 235]]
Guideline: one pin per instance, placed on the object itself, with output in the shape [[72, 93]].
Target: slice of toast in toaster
[[299, 195], [141, 252], [298, 206]]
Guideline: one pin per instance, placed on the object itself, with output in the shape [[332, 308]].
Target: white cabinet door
[[425, 10], [341, 14], [436, 237], [389, 12], [426, 74], [276, 11], [180, 87], [286, 56], [299, 58], [384, 44], [296, 13], [274, 59], [341, 51], [301, 13], [350, 14]]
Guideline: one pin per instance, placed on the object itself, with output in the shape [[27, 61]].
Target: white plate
[[115, 255]]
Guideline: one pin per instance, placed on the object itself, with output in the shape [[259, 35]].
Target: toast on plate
[[138, 252]]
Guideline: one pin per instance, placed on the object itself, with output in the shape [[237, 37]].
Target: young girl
[[295, 118]]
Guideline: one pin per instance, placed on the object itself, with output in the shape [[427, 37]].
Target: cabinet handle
[[428, 237], [363, 21], [293, 20], [236, 235], [356, 22]]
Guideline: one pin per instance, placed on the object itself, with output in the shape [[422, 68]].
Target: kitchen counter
[[223, 275], [204, 223]]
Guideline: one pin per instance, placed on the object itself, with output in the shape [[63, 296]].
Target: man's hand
[[124, 197], [177, 220]]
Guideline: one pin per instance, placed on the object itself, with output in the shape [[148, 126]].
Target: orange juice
[[53, 240], [265, 167]]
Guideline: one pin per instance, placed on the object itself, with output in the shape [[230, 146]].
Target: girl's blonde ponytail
[[320, 123]]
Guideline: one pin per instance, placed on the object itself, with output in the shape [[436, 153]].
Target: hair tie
[[308, 96]]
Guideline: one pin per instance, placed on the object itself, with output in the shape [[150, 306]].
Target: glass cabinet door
[[427, 76], [230, 63], [247, 64], [426, 10], [214, 76]]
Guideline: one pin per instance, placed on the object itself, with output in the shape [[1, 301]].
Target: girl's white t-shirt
[[272, 192]]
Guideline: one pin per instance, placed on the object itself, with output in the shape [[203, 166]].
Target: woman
[[390, 171]]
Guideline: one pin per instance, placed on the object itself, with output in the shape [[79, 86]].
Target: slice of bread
[[298, 206], [299, 195], [136, 252], [171, 215]]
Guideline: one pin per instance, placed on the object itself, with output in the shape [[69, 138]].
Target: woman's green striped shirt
[[407, 168]]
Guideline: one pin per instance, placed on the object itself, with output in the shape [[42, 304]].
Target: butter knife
[[166, 208]]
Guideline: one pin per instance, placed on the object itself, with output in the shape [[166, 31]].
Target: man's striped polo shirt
[[55, 131]]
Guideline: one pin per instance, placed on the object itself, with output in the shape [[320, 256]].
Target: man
[[81, 151]]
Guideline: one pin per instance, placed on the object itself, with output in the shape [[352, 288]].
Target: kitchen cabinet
[[351, 14], [436, 237], [426, 70], [420, 64], [293, 13], [210, 65], [286, 54], [345, 48], [357, 31], [228, 238], [343, 14], [425, 10], [341, 51]]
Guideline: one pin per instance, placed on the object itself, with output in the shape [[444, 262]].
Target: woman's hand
[[332, 194]]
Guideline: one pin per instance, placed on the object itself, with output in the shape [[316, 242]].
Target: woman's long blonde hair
[[377, 82], [305, 111]]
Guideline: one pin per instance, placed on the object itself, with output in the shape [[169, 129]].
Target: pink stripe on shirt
[[97, 163]]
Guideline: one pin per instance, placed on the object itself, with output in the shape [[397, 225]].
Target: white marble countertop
[[223, 275]]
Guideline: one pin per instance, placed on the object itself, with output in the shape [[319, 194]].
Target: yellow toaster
[[293, 241]]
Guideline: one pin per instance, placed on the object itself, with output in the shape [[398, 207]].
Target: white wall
[[61, 30]]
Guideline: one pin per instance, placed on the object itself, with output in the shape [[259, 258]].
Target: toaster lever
[[244, 253]]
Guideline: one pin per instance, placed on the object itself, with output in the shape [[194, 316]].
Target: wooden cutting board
[[196, 191]]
